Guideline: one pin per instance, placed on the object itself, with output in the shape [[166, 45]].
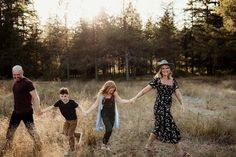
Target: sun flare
[[91, 9], [88, 9]]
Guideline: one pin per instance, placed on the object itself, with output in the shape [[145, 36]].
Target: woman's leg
[[179, 150], [151, 138]]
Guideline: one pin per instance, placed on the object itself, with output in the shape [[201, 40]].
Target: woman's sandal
[[184, 155], [150, 149]]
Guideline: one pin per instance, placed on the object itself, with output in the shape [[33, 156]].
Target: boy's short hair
[[64, 90]]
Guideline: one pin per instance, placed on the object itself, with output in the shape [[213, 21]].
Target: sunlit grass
[[207, 126]]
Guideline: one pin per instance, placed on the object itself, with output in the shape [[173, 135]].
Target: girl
[[107, 99]]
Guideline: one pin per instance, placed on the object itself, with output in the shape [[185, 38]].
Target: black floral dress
[[165, 127]]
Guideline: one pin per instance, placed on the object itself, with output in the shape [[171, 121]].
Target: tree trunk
[[127, 65]]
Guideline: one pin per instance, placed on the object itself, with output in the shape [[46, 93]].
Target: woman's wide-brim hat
[[165, 62]]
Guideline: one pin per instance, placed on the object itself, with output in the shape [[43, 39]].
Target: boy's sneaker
[[70, 153], [78, 137]]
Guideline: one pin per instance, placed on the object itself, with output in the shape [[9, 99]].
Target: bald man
[[24, 93]]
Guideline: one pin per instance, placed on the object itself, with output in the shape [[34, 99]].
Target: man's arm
[[48, 108], [36, 101]]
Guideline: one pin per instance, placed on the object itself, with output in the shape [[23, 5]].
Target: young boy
[[67, 108]]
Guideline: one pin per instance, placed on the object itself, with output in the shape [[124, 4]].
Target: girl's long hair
[[159, 74], [106, 87]]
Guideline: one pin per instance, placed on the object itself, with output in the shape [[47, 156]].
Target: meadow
[[208, 125]]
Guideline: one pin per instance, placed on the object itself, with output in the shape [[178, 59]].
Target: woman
[[106, 102], [165, 128]]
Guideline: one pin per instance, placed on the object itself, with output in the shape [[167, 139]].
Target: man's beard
[[18, 78]]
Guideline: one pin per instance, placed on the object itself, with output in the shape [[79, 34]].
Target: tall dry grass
[[208, 126]]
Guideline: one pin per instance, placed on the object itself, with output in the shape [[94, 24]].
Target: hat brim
[[171, 65]]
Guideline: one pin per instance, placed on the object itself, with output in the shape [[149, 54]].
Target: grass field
[[208, 126]]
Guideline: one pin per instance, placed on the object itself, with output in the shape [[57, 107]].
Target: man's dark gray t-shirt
[[22, 97]]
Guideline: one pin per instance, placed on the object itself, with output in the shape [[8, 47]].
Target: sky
[[90, 8]]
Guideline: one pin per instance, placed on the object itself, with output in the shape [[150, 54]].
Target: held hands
[[85, 113], [39, 113], [132, 101]]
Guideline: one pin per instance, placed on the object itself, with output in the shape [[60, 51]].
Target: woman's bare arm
[[120, 100]]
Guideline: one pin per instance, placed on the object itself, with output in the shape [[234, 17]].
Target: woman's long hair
[[106, 87], [159, 74]]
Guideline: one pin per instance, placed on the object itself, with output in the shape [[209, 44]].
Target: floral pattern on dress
[[165, 128]]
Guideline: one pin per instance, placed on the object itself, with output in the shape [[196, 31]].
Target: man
[[23, 92]]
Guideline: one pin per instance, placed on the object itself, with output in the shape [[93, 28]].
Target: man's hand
[[39, 113]]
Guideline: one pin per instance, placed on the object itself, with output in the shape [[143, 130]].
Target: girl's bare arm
[[93, 106]]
